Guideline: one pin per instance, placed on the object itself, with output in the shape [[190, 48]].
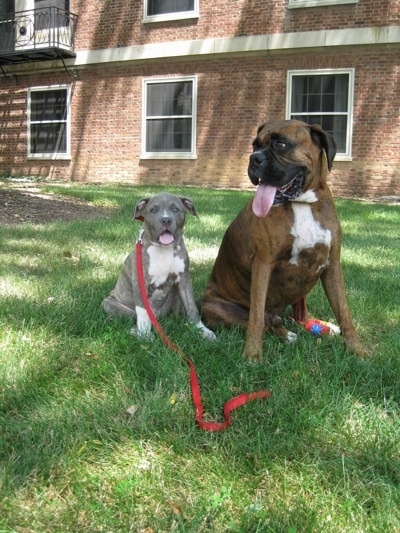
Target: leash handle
[[231, 404]]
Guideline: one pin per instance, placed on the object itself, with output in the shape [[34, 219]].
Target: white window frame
[[169, 155], [50, 155], [171, 16], [342, 156], [293, 4]]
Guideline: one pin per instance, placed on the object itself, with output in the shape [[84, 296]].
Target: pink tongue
[[263, 200], [166, 238]]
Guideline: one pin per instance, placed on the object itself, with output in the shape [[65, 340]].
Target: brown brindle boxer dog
[[283, 241]]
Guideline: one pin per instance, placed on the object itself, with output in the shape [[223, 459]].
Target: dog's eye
[[280, 145], [154, 209], [175, 209]]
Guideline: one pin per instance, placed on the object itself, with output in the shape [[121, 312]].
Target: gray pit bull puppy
[[165, 265]]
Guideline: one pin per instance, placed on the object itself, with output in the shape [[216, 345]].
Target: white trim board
[[256, 44], [235, 45]]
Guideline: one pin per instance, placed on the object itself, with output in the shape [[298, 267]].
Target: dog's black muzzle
[[265, 167]]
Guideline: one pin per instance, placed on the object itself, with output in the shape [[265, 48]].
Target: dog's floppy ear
[[139, 208], [260, 128], [189, 205], [258, 131], [326, 141]]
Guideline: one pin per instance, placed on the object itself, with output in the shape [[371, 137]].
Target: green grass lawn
[[97, 430]]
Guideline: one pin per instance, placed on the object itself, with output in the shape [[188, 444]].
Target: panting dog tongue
[[166, 238], [263, 200]]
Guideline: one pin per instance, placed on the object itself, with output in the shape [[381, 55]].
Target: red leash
[[230, 405], [312, 325]]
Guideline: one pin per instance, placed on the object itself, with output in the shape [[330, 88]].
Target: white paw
[[334, 329], [143, 324], [207, 333], [144, 334], [291, 337]]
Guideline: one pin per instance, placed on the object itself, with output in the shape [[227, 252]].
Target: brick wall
[[234, 96], [109, 24]]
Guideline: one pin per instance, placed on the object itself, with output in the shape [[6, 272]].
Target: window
[[48, 122], [318, 3], [325, 98], [59, 4], [169, 111], [6, 6], [50, 14], [158, 10]]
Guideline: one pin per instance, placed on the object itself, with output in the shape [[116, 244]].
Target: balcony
[[37, 35]]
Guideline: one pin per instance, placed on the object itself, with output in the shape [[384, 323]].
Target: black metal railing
[[37, 29]]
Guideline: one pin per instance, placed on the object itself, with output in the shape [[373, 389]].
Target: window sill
[[343, 157], [49, 157], [294, 4], [167, 155], [170, 17]]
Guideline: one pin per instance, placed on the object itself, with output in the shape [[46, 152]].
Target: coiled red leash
[[318, 328], [230, 405]]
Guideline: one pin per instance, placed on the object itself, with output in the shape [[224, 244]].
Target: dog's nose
[[166, 221], [257, 157]]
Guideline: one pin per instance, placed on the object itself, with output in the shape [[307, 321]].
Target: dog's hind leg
[[274, 325], [218, 312], [114, 307]]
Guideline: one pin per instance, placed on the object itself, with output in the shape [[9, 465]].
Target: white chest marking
[[309, 197], [307, 231], [163, 261]]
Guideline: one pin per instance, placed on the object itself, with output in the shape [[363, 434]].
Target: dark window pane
[[304, 118], [299, 94], [46, 18], [328, 83], [336, 125], [314, 84], [48, 138], [169, 135], [61, 4], [161, 7], [6, 6], [169, 99], [314, 103], [323, 99], [339, 131], [341, 92], [49, 105], [324, 93], [328, 102]]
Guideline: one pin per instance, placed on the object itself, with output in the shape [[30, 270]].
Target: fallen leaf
[[91, 355], [172, 400], [68, 255], [176, 508], [132, 409]]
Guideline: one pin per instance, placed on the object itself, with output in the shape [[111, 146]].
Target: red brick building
[[172, 91]]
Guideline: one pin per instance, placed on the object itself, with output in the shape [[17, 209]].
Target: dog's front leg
[[333, 283], [260, 277], [143, 322]]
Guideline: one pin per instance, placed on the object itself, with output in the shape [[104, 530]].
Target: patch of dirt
[[21, 205]]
